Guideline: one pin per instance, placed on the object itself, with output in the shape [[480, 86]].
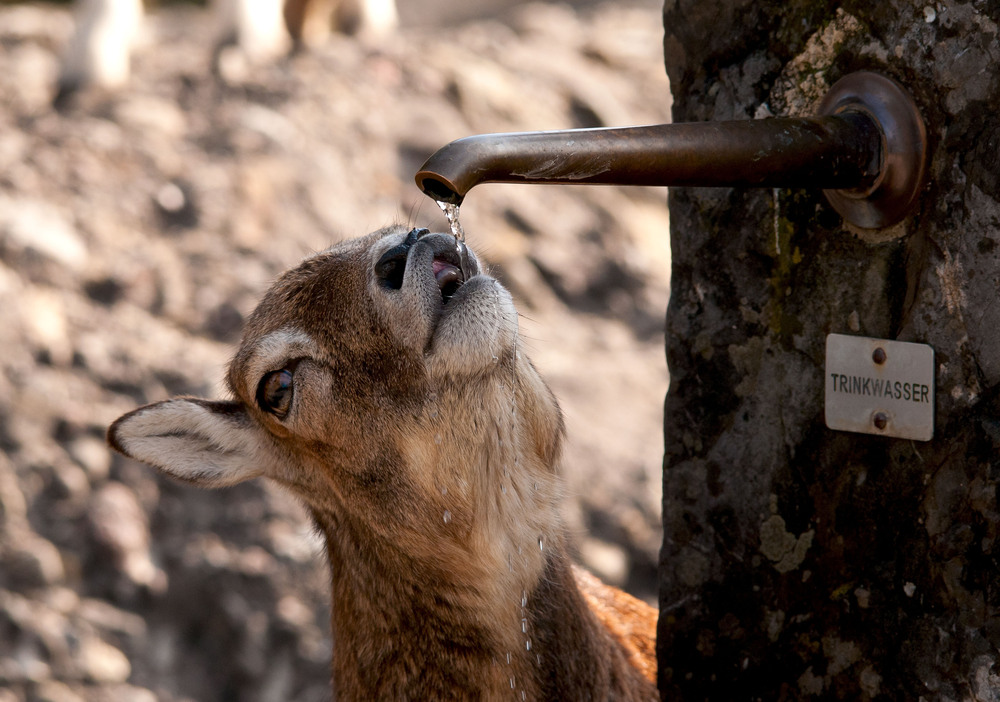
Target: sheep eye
[[274, 393]]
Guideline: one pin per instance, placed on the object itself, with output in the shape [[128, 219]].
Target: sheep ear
[[209, 444]]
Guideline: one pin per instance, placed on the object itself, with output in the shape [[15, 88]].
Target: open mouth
[[449, 265], [448, 274]]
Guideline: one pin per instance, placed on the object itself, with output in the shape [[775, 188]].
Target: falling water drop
[[437, 438], [527, 645], [451, 214], [524, 598], [508, 657], [541, 544], [444, 490], [503, 488], [524, 625], [447, 516], [512, 683]]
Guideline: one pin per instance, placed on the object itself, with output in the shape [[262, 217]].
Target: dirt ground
[[138, 229]]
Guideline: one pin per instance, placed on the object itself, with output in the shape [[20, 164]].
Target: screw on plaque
[[880, 420], [878, 355]]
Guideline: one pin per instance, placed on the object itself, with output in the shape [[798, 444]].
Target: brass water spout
[[866, 149]]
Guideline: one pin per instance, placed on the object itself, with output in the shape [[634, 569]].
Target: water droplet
[[524, 625], [512, 683], [437, 438], [444, 490], [451, 214], [538, 658], [524, 598], [523, 695], [434, 413], [503, 488], [541, 544], [527, 645], [447, 516], [508, 657]]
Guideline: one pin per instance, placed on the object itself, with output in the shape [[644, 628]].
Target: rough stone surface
[[800, 562], [138, 229]]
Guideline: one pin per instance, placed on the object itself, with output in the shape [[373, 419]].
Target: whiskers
[[416, 208]]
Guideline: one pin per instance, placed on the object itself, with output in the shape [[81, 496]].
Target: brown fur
[[426, 447]]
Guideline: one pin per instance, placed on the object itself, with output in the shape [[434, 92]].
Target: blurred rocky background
[[138, 228]]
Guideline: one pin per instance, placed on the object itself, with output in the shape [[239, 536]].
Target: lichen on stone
[[785, 550]]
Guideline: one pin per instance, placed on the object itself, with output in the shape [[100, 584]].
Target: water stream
[[510, 471], [451, 214]]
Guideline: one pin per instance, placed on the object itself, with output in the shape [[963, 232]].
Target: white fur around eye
[[274, 350]]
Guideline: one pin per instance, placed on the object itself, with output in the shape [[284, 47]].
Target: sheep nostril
[[391, 267]]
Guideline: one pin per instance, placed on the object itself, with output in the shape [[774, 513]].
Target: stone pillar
[[800, 562]]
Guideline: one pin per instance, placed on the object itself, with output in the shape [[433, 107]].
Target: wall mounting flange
[[904, 149]]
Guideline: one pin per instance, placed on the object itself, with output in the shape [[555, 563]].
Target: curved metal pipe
[[828, 152], [867, 149]]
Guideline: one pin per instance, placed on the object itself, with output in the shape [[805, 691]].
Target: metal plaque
[[877, 386]]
